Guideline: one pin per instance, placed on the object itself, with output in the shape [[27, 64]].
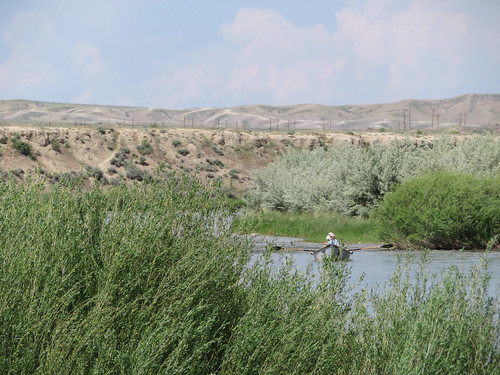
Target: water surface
[[377, 265]]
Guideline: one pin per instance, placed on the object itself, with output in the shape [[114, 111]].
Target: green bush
[[23, 147], [151, 280], [120, 158], [124, 281], [442, 210], [145, 148], [352, 180], [136, 173], [56, 145]]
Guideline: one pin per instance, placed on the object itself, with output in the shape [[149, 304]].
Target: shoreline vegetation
[[445, 195], [312, 226], [150, 279]]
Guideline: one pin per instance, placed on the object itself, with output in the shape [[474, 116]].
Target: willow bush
[[352, 180], [442, 210], [415, 323], [139, 280]]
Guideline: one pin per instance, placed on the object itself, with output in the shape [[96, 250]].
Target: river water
[[377, 265]]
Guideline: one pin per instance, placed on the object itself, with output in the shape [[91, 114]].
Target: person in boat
[[331, 240]]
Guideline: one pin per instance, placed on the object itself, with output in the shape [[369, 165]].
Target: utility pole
[[404, 119]]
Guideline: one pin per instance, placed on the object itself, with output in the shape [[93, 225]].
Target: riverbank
[[311, 226]]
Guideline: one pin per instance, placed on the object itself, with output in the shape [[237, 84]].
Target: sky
[[224, 53]]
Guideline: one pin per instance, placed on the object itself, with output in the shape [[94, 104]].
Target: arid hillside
[[473, 110], [113, 153]]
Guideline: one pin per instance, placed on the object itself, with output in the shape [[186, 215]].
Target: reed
[[312, 226]]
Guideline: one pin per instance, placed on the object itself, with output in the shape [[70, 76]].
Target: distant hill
[[472, 110]]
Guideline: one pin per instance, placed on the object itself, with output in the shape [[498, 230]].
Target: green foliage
[[442, 210], [352, 180], [183, 151], [56, 145], [145, 148], [136, 173], [293, 326], [176, 143], [151, 280], [141, 280], [309, 225], [23, 147], [120, 159]]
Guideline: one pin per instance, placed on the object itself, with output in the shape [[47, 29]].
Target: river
[[377, 265]]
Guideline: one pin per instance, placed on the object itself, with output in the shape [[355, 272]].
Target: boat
[[337, 253]]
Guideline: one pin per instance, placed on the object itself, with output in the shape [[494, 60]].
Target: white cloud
[[263, 59], [379, 50], [278, 61], [31, 26], [415, 46], [87, 59], [27, 69], [22, 73]]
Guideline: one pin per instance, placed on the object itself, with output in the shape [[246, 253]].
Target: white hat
[[331, 234]]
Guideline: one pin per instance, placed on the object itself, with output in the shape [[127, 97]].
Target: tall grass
[[151, 280], [311, 226]]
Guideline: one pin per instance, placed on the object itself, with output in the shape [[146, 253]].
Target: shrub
[[176, 143], [142, 160], [135, 173], [233, 173], [95, 172], [117, 281], [218, 151], [352, 180], [67, 178], [56, 145], [120, 159], [218, 163], [442, 210], [23, 147], [183, 151], [145, 148], [18, 172]]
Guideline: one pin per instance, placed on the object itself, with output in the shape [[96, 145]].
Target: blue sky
[[222, 53]]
